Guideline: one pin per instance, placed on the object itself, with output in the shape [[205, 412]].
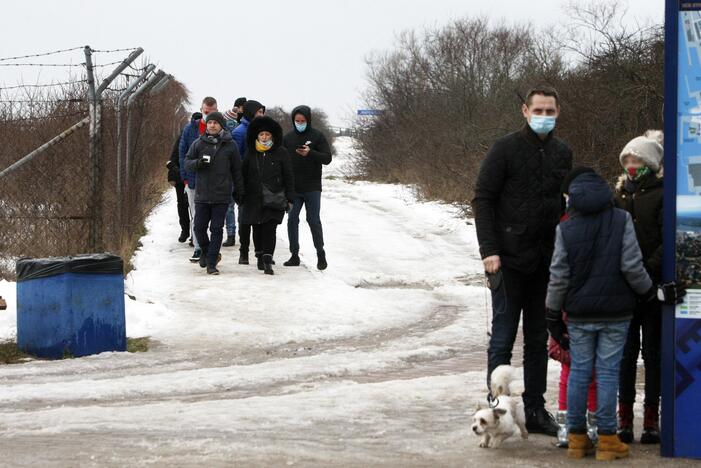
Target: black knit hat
[[217, 117], [240, 102], [250, 109], [573, 174]]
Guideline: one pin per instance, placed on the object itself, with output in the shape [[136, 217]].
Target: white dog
[[498, 423], [506, 380]]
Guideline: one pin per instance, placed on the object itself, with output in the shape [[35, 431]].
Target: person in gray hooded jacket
[[596, 275], [214, 157]]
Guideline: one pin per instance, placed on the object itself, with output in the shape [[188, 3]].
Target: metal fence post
[[94, 135], [120, 104], [145, 87]]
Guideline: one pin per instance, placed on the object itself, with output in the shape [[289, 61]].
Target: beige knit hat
[[647, 147]]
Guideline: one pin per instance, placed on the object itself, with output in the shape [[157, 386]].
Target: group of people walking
[[238, 164], [583, 263]]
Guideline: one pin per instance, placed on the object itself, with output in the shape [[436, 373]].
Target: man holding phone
[[309, 151], [214, 157]]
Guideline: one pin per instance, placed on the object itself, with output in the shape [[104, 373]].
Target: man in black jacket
[[176, 181], [517, 207], [214, 157], [308, 151]]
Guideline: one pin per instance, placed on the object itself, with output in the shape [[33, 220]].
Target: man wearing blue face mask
[[517, 206], [309, 150]]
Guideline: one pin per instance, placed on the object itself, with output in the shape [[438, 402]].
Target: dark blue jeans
[[231, 219], [211, 215], [312, 204], [521, 292]]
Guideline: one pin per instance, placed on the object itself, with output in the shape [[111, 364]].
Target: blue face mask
[[301, 127], [542, 124]]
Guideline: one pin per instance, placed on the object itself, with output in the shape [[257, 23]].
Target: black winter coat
[[275, 172], [174, 162], [644, 203], [517, 203], [307, 169], [217, 180]]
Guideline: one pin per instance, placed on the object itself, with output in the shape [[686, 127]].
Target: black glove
[[670, 293], [557, 328], [201, 162]]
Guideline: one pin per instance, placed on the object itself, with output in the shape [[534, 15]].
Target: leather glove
[[557, 328], [668, 293]]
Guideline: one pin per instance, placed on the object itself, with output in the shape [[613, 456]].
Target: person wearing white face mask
[[517, 206]]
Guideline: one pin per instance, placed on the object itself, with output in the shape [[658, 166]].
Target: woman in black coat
[[269, 183]]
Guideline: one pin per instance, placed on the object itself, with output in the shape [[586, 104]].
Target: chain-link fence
[[81, 159]]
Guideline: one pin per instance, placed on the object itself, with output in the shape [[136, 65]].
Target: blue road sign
[[370, 112], [681, 327]]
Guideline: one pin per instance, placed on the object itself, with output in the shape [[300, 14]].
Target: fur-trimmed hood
[[264, 124]]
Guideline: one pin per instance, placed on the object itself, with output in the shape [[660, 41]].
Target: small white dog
[[501, 420], [506, 380]]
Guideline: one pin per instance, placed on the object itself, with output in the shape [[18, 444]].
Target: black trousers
[[648, 319], [244, 234], [183, 213], [264, 237], [211, 215], [521, 292]]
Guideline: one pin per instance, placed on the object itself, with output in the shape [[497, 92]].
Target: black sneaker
[[293, 261], [540, 421], [196, 256], [243, 258], [261, 265], [212, 270], [183, 237], [321, 260], [230, 241], [203, 261]]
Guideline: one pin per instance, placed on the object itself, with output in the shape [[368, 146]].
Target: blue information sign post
[[681, 328]]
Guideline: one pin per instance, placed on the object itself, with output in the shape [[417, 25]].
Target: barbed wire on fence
[[45, 85], [42, 54], [126, 49]]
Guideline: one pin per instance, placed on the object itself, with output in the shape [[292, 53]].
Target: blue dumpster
[[71, 305]]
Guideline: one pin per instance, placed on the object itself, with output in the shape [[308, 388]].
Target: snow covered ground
[[374, 361]]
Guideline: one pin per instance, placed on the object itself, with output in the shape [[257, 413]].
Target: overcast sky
[[280, 52]]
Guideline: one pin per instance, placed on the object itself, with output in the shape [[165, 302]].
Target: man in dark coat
[[176, 181], [517, 207], [190, 133], [215, 159], [269, 184], [309, 151]]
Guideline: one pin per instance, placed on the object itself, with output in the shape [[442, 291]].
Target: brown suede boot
[[610, 447], [579, 445], [625, 422]]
